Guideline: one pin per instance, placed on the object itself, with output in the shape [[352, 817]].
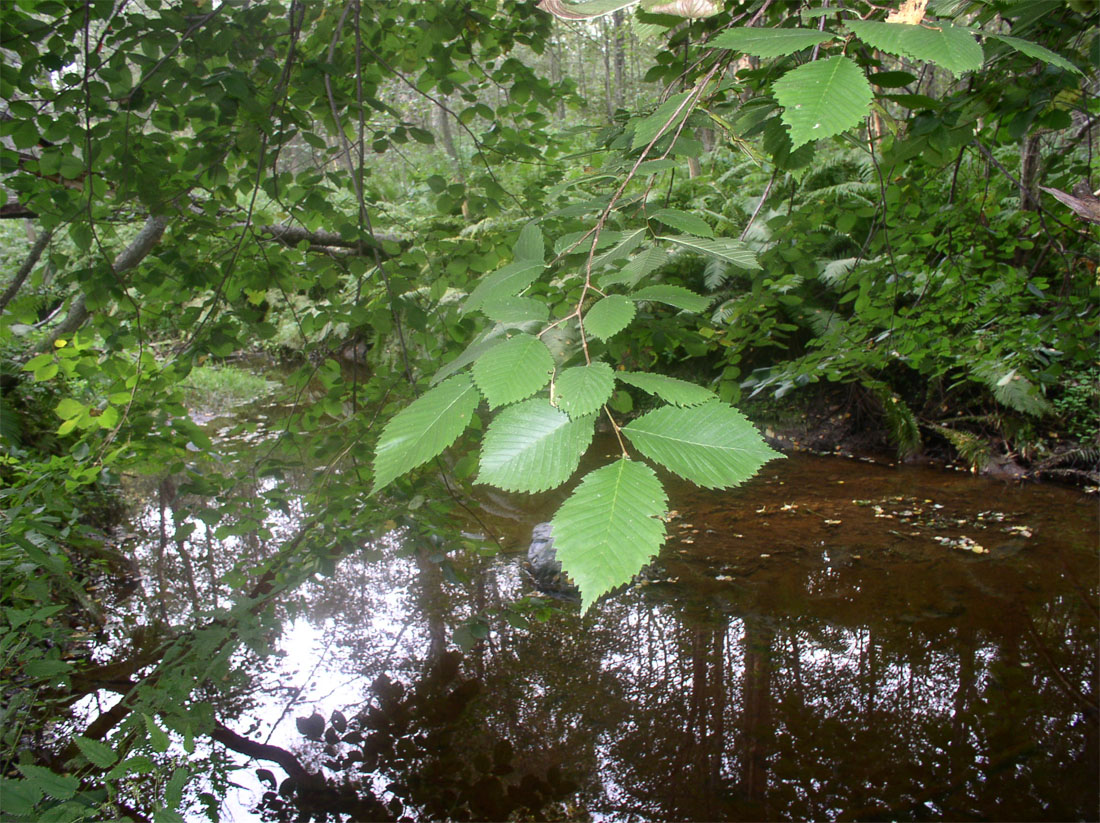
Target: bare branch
[[291, 235]]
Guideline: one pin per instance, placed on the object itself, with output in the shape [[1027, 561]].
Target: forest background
[[476, 234]]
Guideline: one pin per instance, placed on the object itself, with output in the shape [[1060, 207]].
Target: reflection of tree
[[865, 691]]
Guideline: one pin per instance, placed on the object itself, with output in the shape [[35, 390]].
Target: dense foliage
[[475, 266]]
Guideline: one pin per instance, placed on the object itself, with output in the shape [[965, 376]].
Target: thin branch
[[760, 205]]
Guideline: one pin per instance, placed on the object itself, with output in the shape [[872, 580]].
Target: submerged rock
[[544, 565]]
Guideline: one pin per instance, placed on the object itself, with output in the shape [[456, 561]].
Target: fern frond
[[715, 274], [901, 423], [972, 448], [1010, 387], [834, 271]]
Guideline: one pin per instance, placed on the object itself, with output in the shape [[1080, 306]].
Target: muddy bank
[[849, 422]]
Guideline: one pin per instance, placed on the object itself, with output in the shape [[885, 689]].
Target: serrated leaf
[[514, 370], [1038, 52], [424, 429], [158, 738], [580, 242], [644, 263], [769, 42], [531, 447], [630, 241], [822, 99], [138, 764], [667, 116], [504, 282], [669, 389], [173, 790], [530, 245], [165, 815], [488, 339], [513, 311], [98, 754], [683, 221], [609, 316], [949, 46], [582, 11], [610, 527], [50, 783], [19, 796], [712, 445], [676, 296], [732, 251], [581, 390]]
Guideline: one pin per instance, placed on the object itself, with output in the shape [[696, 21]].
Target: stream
[[836, 640]]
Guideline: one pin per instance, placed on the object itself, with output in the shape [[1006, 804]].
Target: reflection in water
[[836, 640]]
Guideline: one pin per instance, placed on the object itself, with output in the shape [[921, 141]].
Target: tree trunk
[[443, 121], [1029, 173], [619, 36], [605, 48]]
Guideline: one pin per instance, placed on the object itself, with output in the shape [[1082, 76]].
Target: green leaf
[[530, 245], [667, 116], [949, 46], [769, 42], [98, 754], [68, 408], [19, 796], [609, 316], [581, 390], [59, 787], [424, 429], [108, 419], [532, 447], [676, 296], [1038, 52], [46, 668], [47, 372], [513, 370], [644, 263], [515, 311], [712, 445], [488, 339], [610, 527], [586, 10], [504, 282], [669, 389], [683, 221], [138, 764], [158, 738], [621, 250], [822, 99], [173, 790], [732, 251]]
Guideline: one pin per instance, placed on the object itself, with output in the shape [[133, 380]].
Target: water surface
[[836, 640]]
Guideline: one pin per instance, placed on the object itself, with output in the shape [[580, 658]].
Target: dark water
[[837, 640]]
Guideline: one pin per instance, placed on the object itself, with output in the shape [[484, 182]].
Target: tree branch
[[27, 267], [264, 751], [290, 235], [128, 258]]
